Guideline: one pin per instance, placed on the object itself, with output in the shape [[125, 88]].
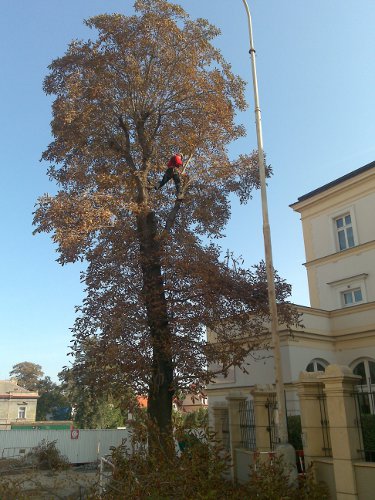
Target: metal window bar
[[271, 406], [365, 417], [327, 448], [247, 425], [358, 418]]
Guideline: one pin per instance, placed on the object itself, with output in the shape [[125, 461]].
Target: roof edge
[[337, 181]]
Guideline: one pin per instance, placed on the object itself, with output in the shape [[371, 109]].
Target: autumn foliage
[[144, 87]]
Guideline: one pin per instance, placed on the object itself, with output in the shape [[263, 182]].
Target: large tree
[[52, 398], [28, 375], [52, 402], [145, 86]]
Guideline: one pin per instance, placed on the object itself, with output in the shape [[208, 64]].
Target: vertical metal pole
[[101, 472], [282, 428]]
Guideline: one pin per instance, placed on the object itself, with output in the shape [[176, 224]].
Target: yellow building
[[16, 404], [338, 221]]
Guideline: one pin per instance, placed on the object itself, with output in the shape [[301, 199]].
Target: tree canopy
[[147, 86], [28, 375]]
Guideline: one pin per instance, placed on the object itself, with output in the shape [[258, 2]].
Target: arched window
[[366, 369], [317, 365]]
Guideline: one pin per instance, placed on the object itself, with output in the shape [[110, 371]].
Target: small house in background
[[193, 402], [17, 404], [190, 403]]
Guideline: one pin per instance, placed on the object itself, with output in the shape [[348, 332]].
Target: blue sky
[[316, 70]]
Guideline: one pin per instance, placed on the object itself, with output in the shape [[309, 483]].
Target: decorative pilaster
[[340, 382], [310, 389]]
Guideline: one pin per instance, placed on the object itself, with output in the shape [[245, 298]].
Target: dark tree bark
[[160, 394]]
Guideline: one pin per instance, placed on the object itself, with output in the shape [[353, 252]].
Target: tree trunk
[[160, 395]]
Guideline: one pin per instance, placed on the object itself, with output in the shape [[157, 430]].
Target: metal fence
[[271, 406], [324, 422], [78, 446], [247, 425], [365, 418]]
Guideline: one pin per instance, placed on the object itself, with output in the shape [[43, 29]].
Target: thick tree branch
[[127, 154]]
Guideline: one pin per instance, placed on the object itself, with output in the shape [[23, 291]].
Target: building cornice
[[335, 334], [313, 310], [332, 257], [349, 279], [238, 391], [355, 335], [367, 306]]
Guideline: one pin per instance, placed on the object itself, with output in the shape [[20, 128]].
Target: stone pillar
[[261, 395], [308, 388], [217, 422], [340, 383]]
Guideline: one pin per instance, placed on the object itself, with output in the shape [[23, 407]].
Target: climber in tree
[[174, 171]]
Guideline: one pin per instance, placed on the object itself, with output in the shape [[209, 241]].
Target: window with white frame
[[344, 231], [352, 297], [350, 291], [317, 365], [22, 412]]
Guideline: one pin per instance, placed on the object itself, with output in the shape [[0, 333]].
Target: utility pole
[[279, 383]]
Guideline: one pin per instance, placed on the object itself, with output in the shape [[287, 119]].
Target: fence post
[[261, 395], [308, 388], [340, 382]]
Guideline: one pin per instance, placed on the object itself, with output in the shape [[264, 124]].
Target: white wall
[[90, 445], [357, 197]]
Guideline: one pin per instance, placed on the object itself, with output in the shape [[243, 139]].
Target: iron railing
[[247, 425], [271, 406], [365, 418], [324, 422]]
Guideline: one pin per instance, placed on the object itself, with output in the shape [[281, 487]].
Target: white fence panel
[[88, 445]]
